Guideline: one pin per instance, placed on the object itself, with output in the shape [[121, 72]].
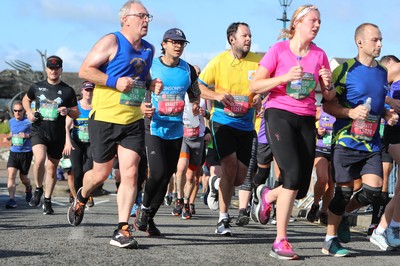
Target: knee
[[368, 195], [340, 200]]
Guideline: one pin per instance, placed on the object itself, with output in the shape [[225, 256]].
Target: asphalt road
[[30, 238]]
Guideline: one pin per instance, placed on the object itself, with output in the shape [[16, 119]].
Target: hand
[[195, 108], [63, 110], [321, 131], [125, 84], [32, 117], [360, 112], [156, 86], [5, 139], [391, 117], [147, 110], [202, 111], [67, 148], [295, 73], [207, 138], [395, 104], [326, 76], [226, 99], [257, 102]]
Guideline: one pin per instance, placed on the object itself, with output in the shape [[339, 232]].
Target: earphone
[[359, 42]]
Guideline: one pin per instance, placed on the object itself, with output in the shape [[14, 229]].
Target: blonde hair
[[298, 15]]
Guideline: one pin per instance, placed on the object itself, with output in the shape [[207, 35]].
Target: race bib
[[83, 133], [135, 96], [191, 132], [170, 104], [300, 89], [17, 140], [365, 129], [239, 107], [65, 163], [49, 111], [327, 138]]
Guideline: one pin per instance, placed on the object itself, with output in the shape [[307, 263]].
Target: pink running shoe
[[263, 208], [283, 250]]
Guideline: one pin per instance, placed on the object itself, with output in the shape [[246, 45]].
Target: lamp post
[[284, 4]]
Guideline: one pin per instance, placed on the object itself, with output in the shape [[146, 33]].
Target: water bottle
[[367, 104], [296, 84]]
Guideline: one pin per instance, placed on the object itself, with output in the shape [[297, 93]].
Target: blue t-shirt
[[354, 83], [20, 144]]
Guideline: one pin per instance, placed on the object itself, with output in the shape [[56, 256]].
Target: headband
[[305, 11]]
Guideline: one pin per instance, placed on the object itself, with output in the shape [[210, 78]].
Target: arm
[[26, 103], [68, 143], [335, 109], [207, 94], [325, 81]]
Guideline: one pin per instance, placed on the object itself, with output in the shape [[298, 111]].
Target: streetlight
[[284, 4]]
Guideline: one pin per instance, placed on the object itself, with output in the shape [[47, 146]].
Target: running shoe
[[177, 210], [223, 228], [35, 200], [370, 230], [152, 230], [343, 230], [312, 214], [264, 208], [206, 195], [333, 248], [192, 209], [392, 235], [292, 219], [47, 209], [122, 238], [168, 200], [28, 194], [243, 217], [253, 211], [212, 197], [323, 218], [11, 204], [380, 241], [141, 220], [186, 212], [76, 212], [90, 202], [283, 250]]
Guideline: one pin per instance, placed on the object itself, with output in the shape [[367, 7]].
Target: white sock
[[379, 230], [327, 238], [393, 223], [223, 216]]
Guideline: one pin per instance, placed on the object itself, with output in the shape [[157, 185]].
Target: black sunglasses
[[18, 111]]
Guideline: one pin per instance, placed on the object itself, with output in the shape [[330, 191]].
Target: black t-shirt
[[48, 98]]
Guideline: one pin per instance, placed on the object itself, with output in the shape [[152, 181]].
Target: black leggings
[[162, 156], [81, 161], [292, 141], [248, 181]]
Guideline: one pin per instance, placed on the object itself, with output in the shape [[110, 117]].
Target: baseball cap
[[54, 62], [87, 85], [175, 34]]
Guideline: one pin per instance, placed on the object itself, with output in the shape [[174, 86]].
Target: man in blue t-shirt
[[20, 154]]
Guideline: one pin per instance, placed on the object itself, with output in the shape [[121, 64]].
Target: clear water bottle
[[360, 122], [296, 84]]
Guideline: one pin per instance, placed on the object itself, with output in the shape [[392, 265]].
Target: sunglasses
[[18, 111], [88, 89]]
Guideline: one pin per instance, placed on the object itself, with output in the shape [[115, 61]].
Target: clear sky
[[69, 28]]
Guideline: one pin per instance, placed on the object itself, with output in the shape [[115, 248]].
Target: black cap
[[54, 62], [87, 85], [175, 34]]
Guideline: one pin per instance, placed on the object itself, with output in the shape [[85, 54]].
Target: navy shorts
[[349, 164]]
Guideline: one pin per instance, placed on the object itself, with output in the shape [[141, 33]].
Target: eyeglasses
[[142, 16], [88, 90], [175, 43], [18, 111]]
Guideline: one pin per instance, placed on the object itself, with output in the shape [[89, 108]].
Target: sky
[[70, 28]]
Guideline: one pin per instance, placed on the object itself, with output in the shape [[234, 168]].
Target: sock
[[117, 184], [379, 230], [223, 216], [39, 188], [393, 223], [121, 225], [327, 238], [47, 199], [80, 198]]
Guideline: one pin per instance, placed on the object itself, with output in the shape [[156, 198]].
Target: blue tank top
[[167, 120], [80, 130]]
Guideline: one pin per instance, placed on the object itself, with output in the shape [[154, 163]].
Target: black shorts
[[323, 155], [349, 164], [105, 137], [391, 135], [264, 154], [386, 157], [212, 157], [21, 161], [228, 140], [53, 141]]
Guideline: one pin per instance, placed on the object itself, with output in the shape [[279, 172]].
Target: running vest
[[80, 130]]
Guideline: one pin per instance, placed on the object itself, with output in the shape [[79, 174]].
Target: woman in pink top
[[289, 73]]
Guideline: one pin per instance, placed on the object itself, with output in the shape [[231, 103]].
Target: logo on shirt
[[42, 89]]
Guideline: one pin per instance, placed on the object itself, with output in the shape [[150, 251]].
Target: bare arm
[[26, 103], [337, 110], [207, 94], [68, 143]]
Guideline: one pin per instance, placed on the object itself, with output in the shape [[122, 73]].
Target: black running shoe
[[35, 200], [192, 209], [141, 220], [47, 209], [243, 217], [312, 214], [177, 210], [122, 238], [76, 212], [152, 230], [186, 212]]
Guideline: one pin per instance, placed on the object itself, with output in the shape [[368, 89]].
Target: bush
[[4, 128]]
